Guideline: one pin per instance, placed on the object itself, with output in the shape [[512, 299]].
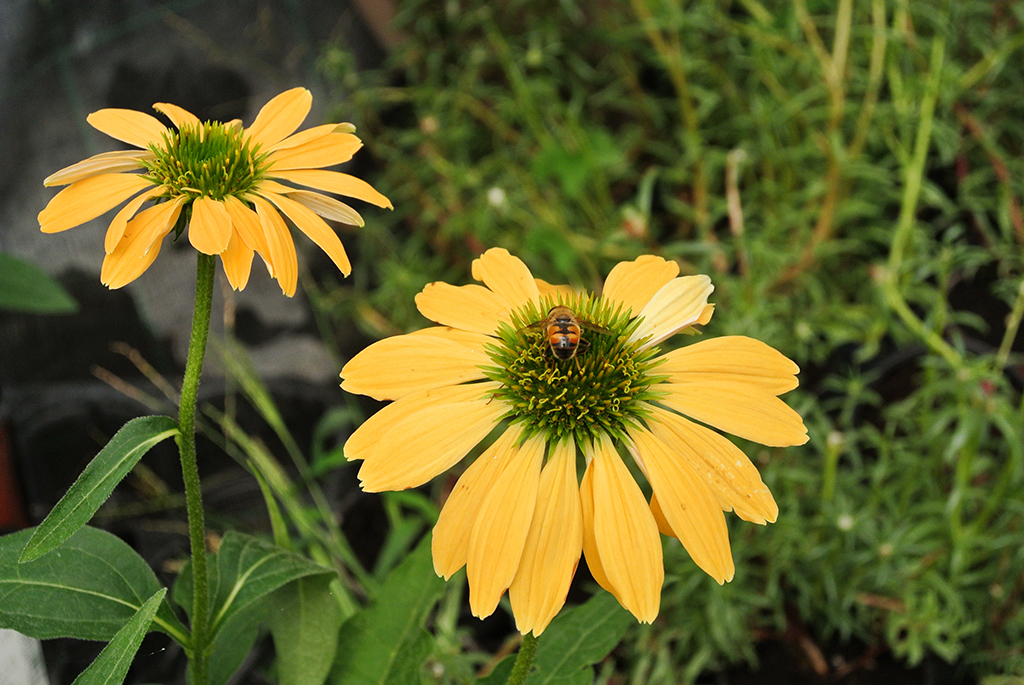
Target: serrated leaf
[[97, 481], [111, 666], [385, 643], [87, 588], [25, 287], [304, 619]]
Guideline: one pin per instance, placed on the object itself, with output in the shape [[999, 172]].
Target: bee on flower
[[222, 181], [520, 516]]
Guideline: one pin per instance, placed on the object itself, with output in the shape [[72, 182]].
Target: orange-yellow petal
[[89, 198], [507, 276], [209, 231], [324, 151], [501, 527], [688, 505], [237, 260], [178, 115], [405, 364], [730, 473], [553, 546], [333, 182], [633, 284], [677, 304], [103, 163], [127, 125], [139, 246], [280, 117], [246, 223], [563, 292], [283, 260], [469, 307], [466, 338], [117, 225], [450, 543], [412, 440], [590, 553], [314, 228], [626, 536], [731, 358], [309, 134]]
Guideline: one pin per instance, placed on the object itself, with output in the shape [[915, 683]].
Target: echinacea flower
[[219, 179], [519, 518]]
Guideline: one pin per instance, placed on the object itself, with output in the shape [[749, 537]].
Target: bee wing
[[535, 326], [593, 327]]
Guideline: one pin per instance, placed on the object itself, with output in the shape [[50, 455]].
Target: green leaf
[[386, 643], [578, 638], [243, 570], [87, 588], [234, 642], [97, 481], [25, 287], [111, 666], [304, 619]]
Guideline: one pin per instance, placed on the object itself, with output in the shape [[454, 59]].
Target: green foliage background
[[850, 175]]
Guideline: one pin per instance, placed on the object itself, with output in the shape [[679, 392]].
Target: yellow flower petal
[[324, 151], [177, 115], [333, 182], [303, 137], [103, 163], [237, 259], [562, 292], [688, 505], [553, 546], [414, 440], [590, 553], [209, 231], [729, 472], [507, 276], [89, 198], [731, 358], [280, 117], [314, 228], [450, 543], [469, 307], [467, 338], [327, 207], [127, 125], [283, 260], [677, 304], [246, 223], [633, 284], [501, 527], [625, 534], [139, 246], [405, 364], [117, 225]]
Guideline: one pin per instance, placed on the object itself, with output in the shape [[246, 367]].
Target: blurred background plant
[[849, 175]]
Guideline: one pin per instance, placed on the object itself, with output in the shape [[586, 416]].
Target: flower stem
[[199, 657], [524, 660]]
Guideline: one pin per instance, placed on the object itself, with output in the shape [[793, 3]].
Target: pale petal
[[177, 115], [333, 182], [553, 546], [633, 284], [469, 307], [209, 231], [324, 151], [507, 276], [725, 467], [625, 534], [327, 207], [501, 527], [247, 224], [731, 358], [237, 260], [737, 407], [283, 260], [677, 304], [116, 228], [405, 364], [139, 246], [127, 125], [422, 435], [280, 117], [314, 228], [688, 505], [89, 198], [450, 542], [103, 163]]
